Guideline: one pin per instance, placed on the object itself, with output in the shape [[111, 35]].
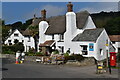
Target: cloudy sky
[[21, 11]]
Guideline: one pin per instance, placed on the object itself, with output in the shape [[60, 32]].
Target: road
[[38, 70]]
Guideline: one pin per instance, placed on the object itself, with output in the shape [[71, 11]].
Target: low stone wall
[[86, 61]]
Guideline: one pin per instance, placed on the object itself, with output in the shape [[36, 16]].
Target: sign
[[91, 47], [106, 44]]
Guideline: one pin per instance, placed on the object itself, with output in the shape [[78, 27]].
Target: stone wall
[[85, 62]]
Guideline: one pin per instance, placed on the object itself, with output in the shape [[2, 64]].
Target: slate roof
[[89, 35], [57, 24], [114, 38]]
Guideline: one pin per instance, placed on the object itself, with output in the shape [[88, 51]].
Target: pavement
[[39, 70]]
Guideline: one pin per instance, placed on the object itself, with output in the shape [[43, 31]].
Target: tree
[[113, 26], [18, 47]]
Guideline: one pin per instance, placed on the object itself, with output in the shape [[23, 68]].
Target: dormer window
[[16, 35], [9, 41]]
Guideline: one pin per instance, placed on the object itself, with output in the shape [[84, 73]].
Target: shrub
[[39, 54], [7, 49], [66, 54], [56, 52]]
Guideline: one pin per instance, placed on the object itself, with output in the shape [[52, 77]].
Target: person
[[23, 56]]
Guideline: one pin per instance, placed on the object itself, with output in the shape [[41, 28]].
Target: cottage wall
[[89, 24], [101, 44], [20, 37], [28, 42], [43, 25]]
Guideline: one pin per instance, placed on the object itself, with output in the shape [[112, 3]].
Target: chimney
[[43, 14], [34, 15], [69, 7]]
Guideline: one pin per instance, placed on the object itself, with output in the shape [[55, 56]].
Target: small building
[[116, 42], [17, 36]]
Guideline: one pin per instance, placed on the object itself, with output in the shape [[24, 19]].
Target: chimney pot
[[70, 7], [43, 14]]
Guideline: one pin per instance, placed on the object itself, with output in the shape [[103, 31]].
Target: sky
[[22, 11]]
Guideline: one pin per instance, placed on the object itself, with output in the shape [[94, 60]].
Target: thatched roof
[[57, 24], [89, 35], [27, 32]]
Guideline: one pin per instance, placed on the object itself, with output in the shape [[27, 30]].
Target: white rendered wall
[[28, 43], [20, 37], [70, 30], [116, 45], [101, 44], [89, 24], [43, 25], [48, 37]]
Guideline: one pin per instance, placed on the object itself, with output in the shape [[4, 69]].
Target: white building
[[116, 42], [75, 32], [28, 41]]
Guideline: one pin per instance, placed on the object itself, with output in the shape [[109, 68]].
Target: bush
[[18, 47], [39, 54], [56, 52], [66, 54], [7, 49], [76, 57]]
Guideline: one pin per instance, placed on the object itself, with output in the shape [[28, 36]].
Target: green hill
[[108, 20]]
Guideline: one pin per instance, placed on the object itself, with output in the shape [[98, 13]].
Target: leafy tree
[[113, 26], [16, 25], [18, 47]]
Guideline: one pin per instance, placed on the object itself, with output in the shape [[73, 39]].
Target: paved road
[[37, 70]]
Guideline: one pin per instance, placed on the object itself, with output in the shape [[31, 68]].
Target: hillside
[[110, 21]]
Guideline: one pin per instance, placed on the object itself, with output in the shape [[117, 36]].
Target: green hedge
[[12, 49]]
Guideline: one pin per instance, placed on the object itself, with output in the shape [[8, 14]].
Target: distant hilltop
[[108, 20]]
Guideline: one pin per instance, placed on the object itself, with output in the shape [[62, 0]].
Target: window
[[9, 41], [113, 42], [61, 37], [16, 35], [16, 41], [84, 49], [101, 52], [52, 36]]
